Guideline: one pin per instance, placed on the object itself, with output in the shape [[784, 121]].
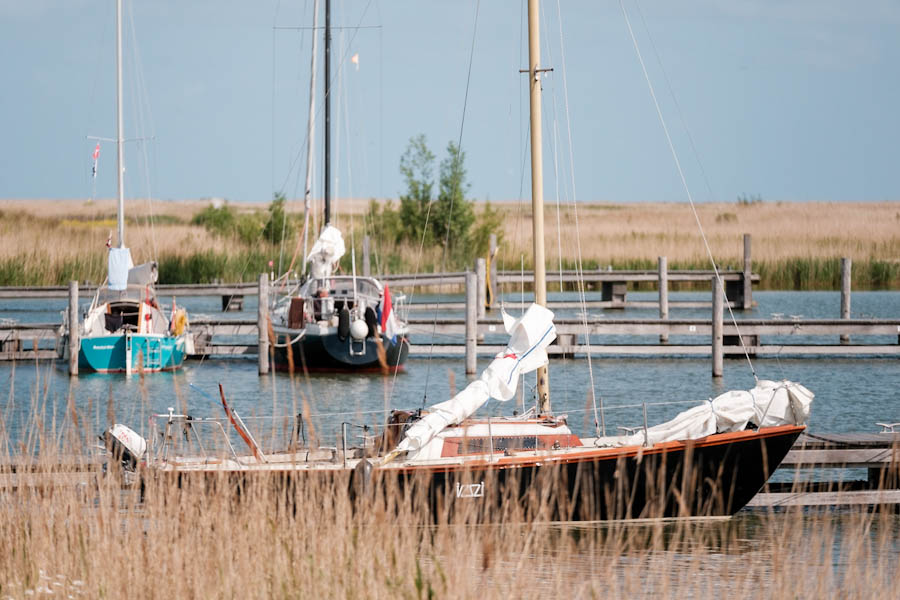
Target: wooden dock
[[588, 334], [820, 337]]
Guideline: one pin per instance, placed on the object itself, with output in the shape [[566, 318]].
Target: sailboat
[[333, 322], [709, 460], [125, 328]]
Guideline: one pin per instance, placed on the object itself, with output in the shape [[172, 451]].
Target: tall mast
[[311, 128], [327, 157], [537, 185], [120, 159]]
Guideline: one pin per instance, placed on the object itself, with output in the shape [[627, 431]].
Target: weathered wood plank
[[853, 498], [841, 458]]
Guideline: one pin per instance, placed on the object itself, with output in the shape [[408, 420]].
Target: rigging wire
[[686, 188], [454, 164], [599, 414], [141, 109]]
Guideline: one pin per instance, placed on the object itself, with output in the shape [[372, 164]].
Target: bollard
[[74, 329], [748, 275], [262, 324], [846, 267], [663, 295], [471, 322], [366, 251], [717, 316]]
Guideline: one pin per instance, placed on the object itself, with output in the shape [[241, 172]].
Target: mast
[[537, 185], [120, 159], [327, 157], [311, 128]]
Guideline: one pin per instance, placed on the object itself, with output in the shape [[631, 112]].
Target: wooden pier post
[[717, 327], [492, 249], [748, 275], [367, 269], [663, 295], [481, 285], [846, 267], [262, 324], [471, 322], [74, 333]]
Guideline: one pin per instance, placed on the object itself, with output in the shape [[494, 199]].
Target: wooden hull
[[713, 476], [710, 477]]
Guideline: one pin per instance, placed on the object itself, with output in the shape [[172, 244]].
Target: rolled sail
[[530, 335]]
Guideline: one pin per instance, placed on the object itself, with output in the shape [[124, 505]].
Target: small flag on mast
[[95, 156]]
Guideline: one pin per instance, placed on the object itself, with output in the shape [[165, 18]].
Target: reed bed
[[271, 537], [795, 245]]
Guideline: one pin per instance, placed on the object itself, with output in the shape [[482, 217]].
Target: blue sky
[[785, 100]]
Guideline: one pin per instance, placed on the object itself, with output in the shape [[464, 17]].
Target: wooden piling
[[747, 275], [481, 286], [471, 322], [663, 295], [717, 328], [492, 249], [366, 251], [262, 324], [846, 268], [74, 329]]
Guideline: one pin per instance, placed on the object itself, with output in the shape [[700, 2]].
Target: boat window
[[501, 444]]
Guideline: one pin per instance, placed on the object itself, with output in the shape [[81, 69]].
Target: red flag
[[388, 324], [95, 155]]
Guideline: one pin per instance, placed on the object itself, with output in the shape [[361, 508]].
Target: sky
[[781, 100]]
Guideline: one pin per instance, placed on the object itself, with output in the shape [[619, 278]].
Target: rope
[[450, 213], [599, 417], [686, 188]]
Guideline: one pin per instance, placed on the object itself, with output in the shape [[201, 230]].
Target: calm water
[[851, 393]]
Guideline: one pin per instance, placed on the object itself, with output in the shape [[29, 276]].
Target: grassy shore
[[796, 246]]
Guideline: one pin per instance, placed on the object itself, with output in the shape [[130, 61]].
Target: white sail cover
[[326, 252], [769, 404], [118, 267], [530, 335]]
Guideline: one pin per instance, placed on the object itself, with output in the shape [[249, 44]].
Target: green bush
[[219, 220]]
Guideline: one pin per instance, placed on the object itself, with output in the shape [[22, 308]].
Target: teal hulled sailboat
[[125, 328]]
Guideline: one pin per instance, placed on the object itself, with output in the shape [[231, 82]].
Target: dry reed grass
[[794, 244], [611, 233], [200, 539]]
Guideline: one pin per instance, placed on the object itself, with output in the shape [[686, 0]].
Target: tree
[[416, 166], [277, 228], [452, 214]]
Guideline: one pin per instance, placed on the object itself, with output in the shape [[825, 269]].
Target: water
[[852, 394]]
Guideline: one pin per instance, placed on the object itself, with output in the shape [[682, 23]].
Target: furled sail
[[326, 252], [530, 335], [769, 404]]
